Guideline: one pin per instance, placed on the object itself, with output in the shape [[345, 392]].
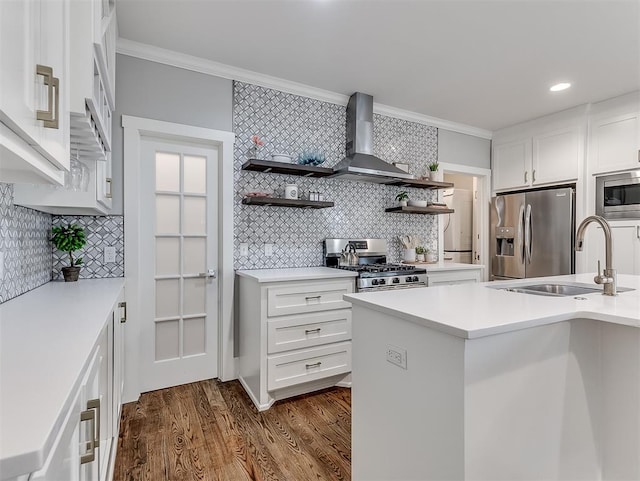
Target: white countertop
[[295, 274], [46, 337], [475, 310]]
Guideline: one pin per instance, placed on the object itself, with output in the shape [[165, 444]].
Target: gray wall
[[457, 148], [160, 92]]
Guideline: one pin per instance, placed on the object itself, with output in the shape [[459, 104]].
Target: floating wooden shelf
[[284, 168], [420, 184], [275, 201], [419, 210]]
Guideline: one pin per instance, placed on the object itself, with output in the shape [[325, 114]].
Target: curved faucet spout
[[608, 277]]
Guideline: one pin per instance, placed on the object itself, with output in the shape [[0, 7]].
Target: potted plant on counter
[[69, 239], [402, 198], [420, 252]]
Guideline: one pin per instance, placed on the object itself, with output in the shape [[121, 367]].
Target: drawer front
[[305, 297], [308, 365], [308, 330]]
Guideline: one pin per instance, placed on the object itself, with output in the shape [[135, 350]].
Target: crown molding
[[209, 67]]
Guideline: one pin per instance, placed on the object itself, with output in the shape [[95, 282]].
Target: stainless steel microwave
[[618, 195]]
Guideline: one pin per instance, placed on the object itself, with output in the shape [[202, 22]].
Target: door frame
[[483, 192], [135, 129]]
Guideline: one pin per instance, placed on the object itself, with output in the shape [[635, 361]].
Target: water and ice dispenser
[[505, 237]]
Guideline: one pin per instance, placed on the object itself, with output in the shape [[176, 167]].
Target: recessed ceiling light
[[560, 86]]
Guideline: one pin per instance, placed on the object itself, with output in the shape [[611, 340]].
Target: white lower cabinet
[[451, 277], [85, 446], [625, 252], [294, 336]]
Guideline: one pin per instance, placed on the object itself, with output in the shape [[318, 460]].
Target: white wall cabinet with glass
[[87, 187], [614, 134], [34, 107]]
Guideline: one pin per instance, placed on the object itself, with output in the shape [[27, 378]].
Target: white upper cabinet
[[543, 152], [614, 128], [511, 164], [34, 80], [556, 156]]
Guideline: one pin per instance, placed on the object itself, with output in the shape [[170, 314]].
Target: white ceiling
[[487, 64]]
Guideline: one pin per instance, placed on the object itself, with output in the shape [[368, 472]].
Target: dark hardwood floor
[[210, 430]]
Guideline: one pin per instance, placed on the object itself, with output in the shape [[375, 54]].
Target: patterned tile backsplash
[[289, 124], [24, 244], [100, 231], [30, 260]]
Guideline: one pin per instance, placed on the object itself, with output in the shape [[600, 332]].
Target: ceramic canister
[[291, 191]]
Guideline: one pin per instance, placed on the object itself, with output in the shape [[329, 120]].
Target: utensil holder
[[409, 255]]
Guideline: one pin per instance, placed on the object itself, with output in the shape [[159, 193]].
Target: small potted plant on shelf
[[402, 198], [420, 252], [69, 239], [434, 173]]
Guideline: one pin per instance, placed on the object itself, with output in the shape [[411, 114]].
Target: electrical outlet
[[244, 249], [268, 250], [109, 254], [397, 355]]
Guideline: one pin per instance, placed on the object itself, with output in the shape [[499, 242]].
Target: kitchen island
[[472, 383]]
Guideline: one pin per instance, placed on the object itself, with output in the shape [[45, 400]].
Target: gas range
[[374, 273]]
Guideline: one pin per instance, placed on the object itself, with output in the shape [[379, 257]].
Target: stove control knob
[[395, 280], [408, 279], [415, 279], [382, 282], [374, 282]]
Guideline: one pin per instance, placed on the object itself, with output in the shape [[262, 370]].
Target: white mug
[[291, 191], [409, 255]]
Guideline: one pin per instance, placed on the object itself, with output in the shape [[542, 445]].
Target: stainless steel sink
[[556, 290]]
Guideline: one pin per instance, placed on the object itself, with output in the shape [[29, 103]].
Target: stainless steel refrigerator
[[533, 234]]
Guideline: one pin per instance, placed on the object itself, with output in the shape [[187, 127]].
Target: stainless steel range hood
[[360, 163]]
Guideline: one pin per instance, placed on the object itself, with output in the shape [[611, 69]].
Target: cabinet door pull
[[638, 155], [526, 176], [89, 415], [311, 331], [108, 194], [123, 305], [311, 366], [95, 404], [533, 175], [50, 117], [308, 298], [638, 231]]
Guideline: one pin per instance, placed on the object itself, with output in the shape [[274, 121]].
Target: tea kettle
[[349, 256]]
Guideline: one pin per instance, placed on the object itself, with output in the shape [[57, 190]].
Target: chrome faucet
[[609, 277]]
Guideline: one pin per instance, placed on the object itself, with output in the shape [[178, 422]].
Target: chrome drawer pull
[[95, 404], [311, 366], [308, 298], [89, 415], [311, 331], [109, 182]]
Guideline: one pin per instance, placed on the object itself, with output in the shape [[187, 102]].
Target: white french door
[[178, 263]]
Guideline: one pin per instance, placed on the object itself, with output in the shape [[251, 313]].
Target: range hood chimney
[[360, 163]]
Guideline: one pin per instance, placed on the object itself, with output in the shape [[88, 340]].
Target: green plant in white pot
[[69, 239], [402, 198]]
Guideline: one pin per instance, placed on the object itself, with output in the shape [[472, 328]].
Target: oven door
[[618, 195]]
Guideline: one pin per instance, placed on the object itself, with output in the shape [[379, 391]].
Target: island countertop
[[476, 310]]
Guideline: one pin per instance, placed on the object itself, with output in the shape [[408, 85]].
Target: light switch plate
[[268, 250], [109, 254], [244, 249]]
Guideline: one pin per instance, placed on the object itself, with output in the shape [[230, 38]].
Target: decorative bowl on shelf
[[417, 203], [282, 158], [311, 157], [258, 194]]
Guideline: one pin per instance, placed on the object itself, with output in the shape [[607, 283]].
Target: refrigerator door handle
[[527, 234], [521, 241]]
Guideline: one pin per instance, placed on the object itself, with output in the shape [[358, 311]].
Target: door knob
[[210, 274]]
